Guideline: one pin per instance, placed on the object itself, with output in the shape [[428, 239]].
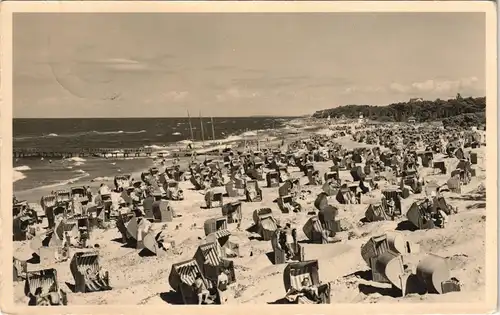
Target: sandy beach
[[144, 280]]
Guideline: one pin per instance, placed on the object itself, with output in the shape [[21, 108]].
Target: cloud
[[442, 87], [125, 65], [236, 93], [469, 85], [177, 96], [220, 68], [363, 89]]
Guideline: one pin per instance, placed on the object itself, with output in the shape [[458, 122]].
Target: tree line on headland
[[459, 111]]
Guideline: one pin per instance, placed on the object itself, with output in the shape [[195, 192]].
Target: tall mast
[[202, 131], [190, 126], [213, 130]]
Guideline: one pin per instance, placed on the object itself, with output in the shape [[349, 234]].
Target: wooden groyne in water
[[77, 152]]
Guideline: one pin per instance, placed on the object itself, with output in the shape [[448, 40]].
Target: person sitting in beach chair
[[309, 290], [91, 275], [201, 289], [440, 218]]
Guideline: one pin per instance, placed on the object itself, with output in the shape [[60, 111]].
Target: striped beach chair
[[87, 274], [43, 289], [182, 277], [209, 257], [227, 247], [293, 276], [214, 197], [20, 269], [265, 222], [419, 215], [253, 193], [232, 212], [376, 212]]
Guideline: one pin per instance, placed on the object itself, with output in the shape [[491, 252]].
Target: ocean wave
[[234, 138], [76, 159], [22, 168], [79, 134], [16, 176], [17, 172], [102, 179], [117, 132], [82, 175], [68, 181]]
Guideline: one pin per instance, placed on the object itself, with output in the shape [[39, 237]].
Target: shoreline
[[276, 135]]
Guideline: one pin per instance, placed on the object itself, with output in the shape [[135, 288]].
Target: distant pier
[[77, 152]]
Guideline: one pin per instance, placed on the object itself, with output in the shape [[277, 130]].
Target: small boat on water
[[176, 134]]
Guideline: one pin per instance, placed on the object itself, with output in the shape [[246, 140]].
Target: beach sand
[[144, 280]]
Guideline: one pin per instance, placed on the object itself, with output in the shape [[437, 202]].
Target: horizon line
[[183, 117]]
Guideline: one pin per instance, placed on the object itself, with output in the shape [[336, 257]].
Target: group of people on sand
[[439, 217], [202, 292], [307, 289]]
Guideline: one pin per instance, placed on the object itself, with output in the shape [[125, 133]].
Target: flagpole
[[190, 126], [202, 131]]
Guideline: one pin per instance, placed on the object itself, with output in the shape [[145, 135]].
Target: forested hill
[[421, 110]]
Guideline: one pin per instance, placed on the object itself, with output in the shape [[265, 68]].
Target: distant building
[[361, 120], [412, 120]]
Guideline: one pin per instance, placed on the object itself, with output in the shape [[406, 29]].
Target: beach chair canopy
[[215, 224]]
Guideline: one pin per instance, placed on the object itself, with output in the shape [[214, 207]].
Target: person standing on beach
[[222, 284], [89, 193], [289, 241]]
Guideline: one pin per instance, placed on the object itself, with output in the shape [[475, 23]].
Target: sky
[[239, 64]]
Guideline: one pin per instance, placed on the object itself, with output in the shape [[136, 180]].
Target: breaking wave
[[102, 179], [17, 172], [68, 181], [76, 159], [22, 168], [79, 134], [116, 132]]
